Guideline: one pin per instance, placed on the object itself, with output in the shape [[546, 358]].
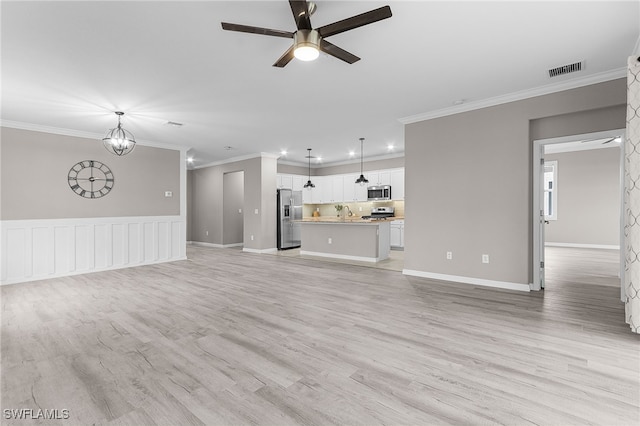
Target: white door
[[538, 215]]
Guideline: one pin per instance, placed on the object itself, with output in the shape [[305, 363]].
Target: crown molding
[[518, 96], [236, 159], [80, 134], [341, 163]]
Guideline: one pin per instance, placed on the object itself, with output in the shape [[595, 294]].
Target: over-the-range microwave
[[380, 192]]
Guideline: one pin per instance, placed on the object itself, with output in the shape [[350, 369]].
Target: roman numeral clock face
[[90, 179]]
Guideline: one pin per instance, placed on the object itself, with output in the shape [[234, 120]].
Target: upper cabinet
[[343, 188], [397, 184], [382, 177]]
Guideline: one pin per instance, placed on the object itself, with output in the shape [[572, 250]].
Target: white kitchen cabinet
[[352, 191], [317, 193], [397, 184], [397, 233], [287, 181], [381, 177], [279, 181], [384, 178], [307, 196], [361, 192], [373, 178], [327, 189], [337, 183], [349, 188], [298, 182]]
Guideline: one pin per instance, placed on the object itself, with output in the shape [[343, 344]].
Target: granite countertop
[[347, 220]]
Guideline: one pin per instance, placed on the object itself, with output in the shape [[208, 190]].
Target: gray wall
[[233, 208], [259, 193], [295, 170], [35, 165], [588, 198], [468, 181], [189, 203], [389, 163]]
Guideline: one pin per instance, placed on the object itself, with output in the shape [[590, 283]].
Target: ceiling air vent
[[565, 69]]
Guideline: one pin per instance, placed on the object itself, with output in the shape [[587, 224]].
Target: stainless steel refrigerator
[[289, 216]]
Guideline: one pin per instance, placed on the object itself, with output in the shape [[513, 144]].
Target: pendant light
[[361, 180], [309, 184], [118, 140]]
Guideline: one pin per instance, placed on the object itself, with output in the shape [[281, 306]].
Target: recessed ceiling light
[[174, 124], [190, 160], [319, 160], [352, 153], [390, 147], [283, 152]]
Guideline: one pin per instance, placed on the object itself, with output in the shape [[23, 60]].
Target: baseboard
[[590, 246], [73, 273], [341, 256], [260, 251], [467, 280], [213, 245]]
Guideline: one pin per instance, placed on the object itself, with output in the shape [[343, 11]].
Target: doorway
[[588, 215], [233, 209]]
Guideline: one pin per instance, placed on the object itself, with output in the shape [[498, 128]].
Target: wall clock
[[90, 179]]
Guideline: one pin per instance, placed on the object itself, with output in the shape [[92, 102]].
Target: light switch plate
[[168, 194]]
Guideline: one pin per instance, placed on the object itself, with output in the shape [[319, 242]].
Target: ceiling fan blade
[[285, 58], [339, 53], [355, 21], [301, 14], [256, 30]]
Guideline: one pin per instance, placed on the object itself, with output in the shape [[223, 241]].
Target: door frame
[[538, 230]]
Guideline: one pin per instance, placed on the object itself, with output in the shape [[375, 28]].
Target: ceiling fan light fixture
[[306, 45], [119, 141]]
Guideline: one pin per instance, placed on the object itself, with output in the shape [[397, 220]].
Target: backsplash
[[330, 210]]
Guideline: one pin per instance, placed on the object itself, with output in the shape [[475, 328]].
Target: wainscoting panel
[[39, 249]]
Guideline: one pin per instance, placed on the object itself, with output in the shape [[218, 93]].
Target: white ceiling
[[69, 65]]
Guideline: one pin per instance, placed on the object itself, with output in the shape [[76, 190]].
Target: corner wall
[[259, 196], [468, 183]]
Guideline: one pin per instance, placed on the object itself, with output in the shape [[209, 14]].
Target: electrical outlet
[[359, 209], [255, 211], [206, 233], [239, 210], [485, 258], [330, 240], [252, 238], [317, 209], [449, 255]]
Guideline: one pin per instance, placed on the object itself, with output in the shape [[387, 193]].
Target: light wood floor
[[234, 338]]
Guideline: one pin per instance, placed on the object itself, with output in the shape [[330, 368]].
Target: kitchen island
[[351, 239]]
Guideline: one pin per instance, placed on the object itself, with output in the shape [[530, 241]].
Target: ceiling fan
[[307, 41]]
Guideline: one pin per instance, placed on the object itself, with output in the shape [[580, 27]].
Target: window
[[550, 187]]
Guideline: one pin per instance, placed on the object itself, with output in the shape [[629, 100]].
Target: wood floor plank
[[235, 338]]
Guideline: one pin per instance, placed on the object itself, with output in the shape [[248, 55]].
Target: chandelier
[[118, 140]]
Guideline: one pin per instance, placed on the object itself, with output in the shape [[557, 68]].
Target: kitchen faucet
[[350, 212]]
